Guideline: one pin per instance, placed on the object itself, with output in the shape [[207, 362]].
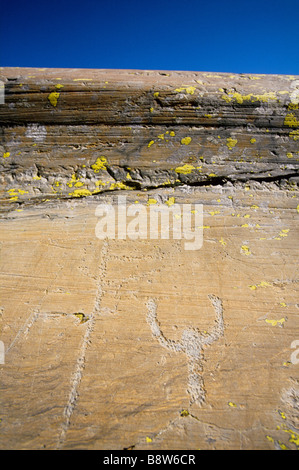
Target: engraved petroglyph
[[77, 375], [191, 343]]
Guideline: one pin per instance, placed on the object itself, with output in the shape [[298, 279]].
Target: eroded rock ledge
[[74, 133]]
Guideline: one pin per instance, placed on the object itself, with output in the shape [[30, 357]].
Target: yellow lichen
[[81, 317], [264, 284], [282, 414], [80, 193], [150, 143], [294, 135], [239, 98], [226, 98], [100, 183], [188, 89], [151, 201], [265, 97], [282, 446], [170, 201], [186, 140], [72, 181], [119, 185], [275, 322], [291, 120], [231, 143], [16, 192], [245, 250], [53, 98], [284, 232], [252, 287], [6, 155], [294, 439], [100, 164], [185, 169]]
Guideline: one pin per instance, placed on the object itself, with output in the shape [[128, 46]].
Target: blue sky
[[239, 36]]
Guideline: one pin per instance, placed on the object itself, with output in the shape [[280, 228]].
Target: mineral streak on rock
[[140, 343]]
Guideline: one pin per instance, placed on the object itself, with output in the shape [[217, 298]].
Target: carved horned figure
[[191, 343]]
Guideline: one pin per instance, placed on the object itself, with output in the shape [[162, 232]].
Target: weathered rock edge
[[69, 133]]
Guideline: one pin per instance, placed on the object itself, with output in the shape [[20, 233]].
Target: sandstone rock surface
[[141, 343]]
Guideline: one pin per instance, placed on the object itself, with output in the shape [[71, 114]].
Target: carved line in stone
[[191, 343], [77, 375]]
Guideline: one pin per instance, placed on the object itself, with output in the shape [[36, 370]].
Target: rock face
[[137, 339]]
